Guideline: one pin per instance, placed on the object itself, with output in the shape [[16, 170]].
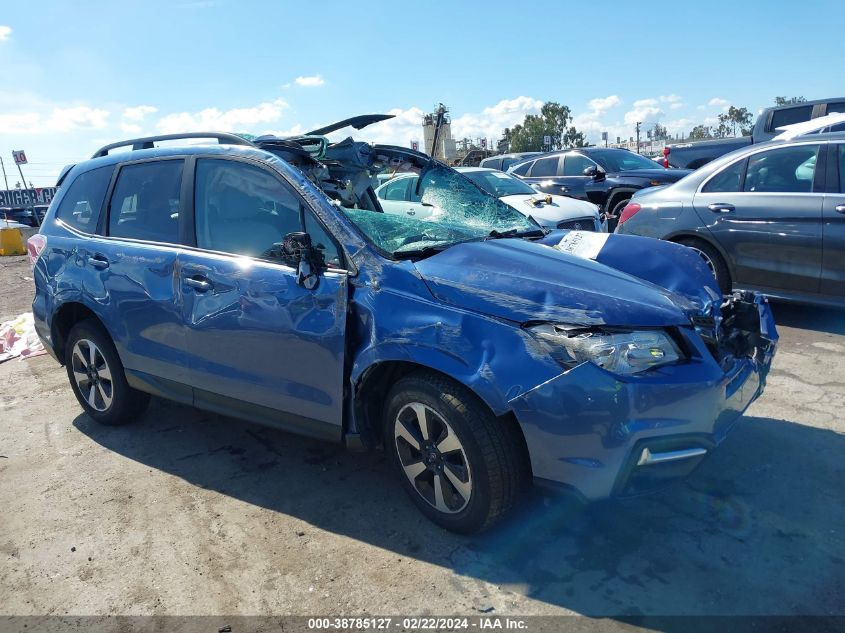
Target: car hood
[[561, 208], [524, 281], [663, 175]]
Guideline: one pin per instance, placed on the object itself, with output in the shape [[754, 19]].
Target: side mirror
[[591, 171], [308, 261]]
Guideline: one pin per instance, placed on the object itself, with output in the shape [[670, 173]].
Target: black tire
[[114, 401], [714, 261], [492, 450], [614, 213]]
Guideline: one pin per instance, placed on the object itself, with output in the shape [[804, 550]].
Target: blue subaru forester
[[262, 280]]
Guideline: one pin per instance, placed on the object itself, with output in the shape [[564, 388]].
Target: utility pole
[[638, 136], [3, 165]]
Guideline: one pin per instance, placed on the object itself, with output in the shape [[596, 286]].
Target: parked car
[[24, 215], [481, 351], [770, 217], [503, 161], [605, 176], [400, 196], [694, 154]]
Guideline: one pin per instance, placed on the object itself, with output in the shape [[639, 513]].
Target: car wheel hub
[[92, 375], [432, 458]]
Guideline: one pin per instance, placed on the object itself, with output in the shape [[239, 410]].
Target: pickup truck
[[694, 155]]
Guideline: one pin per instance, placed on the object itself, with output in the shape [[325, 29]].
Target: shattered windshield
[[500, 184], [440, 208]]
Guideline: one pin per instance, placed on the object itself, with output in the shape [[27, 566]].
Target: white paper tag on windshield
[[586, 244]]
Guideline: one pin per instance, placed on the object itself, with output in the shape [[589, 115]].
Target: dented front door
[[256, 336]]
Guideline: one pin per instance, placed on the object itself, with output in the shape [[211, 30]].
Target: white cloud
[[645, 114], [490, 122], [5, 32], [719, 103], [645, 103], [601, 104], [236, 119], [130, 129], [59, 120], [137, 113], [309, 82]]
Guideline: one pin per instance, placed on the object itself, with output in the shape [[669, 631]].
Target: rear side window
[[80, 208], [788, 116], [838, 106], [145, 204], [545, 167], [728, 180]]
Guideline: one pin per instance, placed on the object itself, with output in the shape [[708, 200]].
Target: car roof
[[471, 169], [244, 151]]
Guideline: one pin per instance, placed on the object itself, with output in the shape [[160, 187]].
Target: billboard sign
[[23, 198]]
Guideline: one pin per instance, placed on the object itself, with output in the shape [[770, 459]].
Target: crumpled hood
[[523, 281], [561, 208]]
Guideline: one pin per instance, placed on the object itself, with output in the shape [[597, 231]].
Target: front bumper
[[606, 435]]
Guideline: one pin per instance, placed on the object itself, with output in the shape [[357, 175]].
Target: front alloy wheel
[[462, 466], [433, 458]]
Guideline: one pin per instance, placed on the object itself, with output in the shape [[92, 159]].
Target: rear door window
[[575, 164], [522, 169], [80, 208], [545, 167], [146, 201], [396, 189], [784, 170]]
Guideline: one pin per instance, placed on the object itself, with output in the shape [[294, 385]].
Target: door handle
[[198, 283], [98, 261], [840, 208], [721, 207]]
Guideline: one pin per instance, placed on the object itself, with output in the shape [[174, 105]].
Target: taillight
[[630, 210], [34, 246]]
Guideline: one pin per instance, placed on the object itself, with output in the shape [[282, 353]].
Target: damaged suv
[[261, 280]]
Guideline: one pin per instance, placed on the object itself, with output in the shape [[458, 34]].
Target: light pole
[[638, 136]]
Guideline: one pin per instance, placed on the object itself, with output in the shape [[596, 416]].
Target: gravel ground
[[186, 512]]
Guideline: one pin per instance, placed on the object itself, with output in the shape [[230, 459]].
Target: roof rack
[[147, 142]]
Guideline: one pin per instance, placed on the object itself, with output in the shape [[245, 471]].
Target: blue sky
[[81, 74]]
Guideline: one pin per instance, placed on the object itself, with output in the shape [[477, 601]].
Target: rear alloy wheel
[[714, 262], [463, 467], [97, 378]]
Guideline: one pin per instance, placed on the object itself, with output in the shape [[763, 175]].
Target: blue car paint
[[459, 312]]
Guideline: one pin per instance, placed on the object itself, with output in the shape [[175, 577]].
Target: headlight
[[623, 353]]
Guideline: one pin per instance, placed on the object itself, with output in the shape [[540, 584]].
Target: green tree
[[782, 101], [732, 119], [659, 133], [556, 118], [574, 138], [700, 132], [553, 121]]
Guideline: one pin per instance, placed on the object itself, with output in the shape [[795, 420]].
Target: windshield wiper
[[498, 235]]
